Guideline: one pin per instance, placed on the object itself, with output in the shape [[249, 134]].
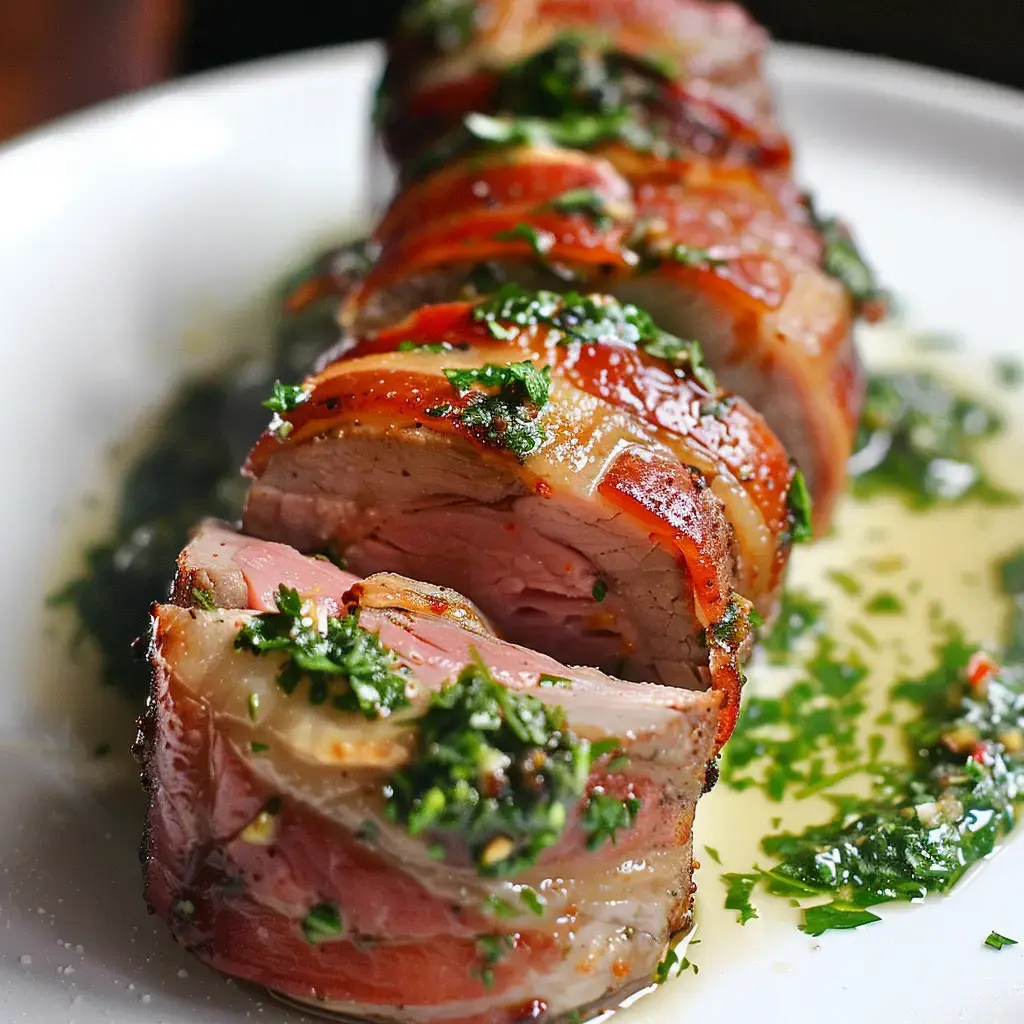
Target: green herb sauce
[[926, 819], [589, 319], [577, 93], [346, 664], [510, 417], [920, 440], [842, 260], [190, 470], [495, 769], [586, 202]]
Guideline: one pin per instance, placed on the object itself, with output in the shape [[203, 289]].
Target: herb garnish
[[432, 346], [600, 590], [540, 242], [286, 397], [671, 965], [919, 439], [323, 922], [691, 256], [787, 736], [497, 768], [509, 418], [345, 663], [585, 201], [997, 941], [604, 815], [842, 260], [926, 820], [738, 890], [588, 319], [574, 94], [203, 599], [799, 502]]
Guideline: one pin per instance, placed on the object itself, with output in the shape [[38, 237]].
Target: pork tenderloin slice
[[725, 259], [367, 466], [252, 828], [616, 353]]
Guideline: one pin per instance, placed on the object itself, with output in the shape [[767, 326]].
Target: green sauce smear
[[920, 440], [925, 819], [188, 471]]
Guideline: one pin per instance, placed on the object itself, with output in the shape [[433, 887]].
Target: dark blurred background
[[58, 55]]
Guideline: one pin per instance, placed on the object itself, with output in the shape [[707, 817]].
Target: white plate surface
[[135, 238]]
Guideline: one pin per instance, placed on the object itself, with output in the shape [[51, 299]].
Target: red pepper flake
[[980, 669], [543, 488], [438, 605], [981, 752], [534, 1009]]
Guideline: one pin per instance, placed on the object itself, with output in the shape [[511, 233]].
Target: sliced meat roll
[[690, 70], [726, 255], [588, 90], [305, 833], [563, 462]]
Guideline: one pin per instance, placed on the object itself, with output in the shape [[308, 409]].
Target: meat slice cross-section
[[304, 835], [567, 465]]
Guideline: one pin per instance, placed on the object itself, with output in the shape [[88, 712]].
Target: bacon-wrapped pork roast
[[364, 800], [563, 462], [361, 797], [625, 146], [684, 74]]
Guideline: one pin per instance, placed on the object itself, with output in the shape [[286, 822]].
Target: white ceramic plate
[[137, 241]]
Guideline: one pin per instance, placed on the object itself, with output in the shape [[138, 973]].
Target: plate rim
[[794, 62]]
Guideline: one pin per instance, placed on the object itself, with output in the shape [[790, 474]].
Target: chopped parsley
[[738, 891], [546, 679], [800, 615], [919, 440], [203, 599], [590, 319], [925, 820], [497, 768], [997, 941], [585, 201], [885, 602], [511, 417], [691, 256], [323, 922], [780, 742], [577, 77], [286, 397], [842, 260], [799, 502], [432, 346], [600, 590], [604, 815], [533, 901], [345, 665], [540, 242], [573, 93], [672, 966]]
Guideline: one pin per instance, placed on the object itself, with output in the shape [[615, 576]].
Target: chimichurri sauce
[[191, 470], [926, 819], [919, 439], [917, 822]]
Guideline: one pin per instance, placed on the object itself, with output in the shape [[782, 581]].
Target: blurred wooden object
[[58, 55]]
